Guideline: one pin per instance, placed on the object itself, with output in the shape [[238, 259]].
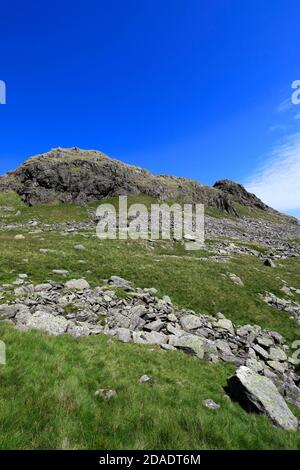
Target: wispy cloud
[[285, 105], [277, 182]]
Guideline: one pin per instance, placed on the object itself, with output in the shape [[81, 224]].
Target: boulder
[[224, 324], [190, 322], [120, 283], [46, 322], [123, 334], [191, 344], [257, 393]]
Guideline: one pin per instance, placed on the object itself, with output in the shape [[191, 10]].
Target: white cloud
[[277, 183], [285, 105]]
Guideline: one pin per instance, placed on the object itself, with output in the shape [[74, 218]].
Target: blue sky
[[192, 88]]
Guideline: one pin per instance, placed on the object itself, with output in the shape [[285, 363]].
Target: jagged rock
[[77, 284], [258, 393]]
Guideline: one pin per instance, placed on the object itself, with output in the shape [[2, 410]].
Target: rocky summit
[[75, 175]]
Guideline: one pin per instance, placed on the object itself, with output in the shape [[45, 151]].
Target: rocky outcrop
[[74, 175], [239, 194]]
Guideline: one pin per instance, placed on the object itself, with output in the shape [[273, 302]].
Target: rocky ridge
[[80, 176]]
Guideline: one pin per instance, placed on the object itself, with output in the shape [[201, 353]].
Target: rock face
[[259, 394], [74, 175], [239, 194]]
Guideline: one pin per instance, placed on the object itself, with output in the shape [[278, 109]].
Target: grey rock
[[156, 325], [277, 366], [144, 379], [9, 311], [48, 323], [120, 283], [77, 284], [235, 279], [212, 405], [277, 354], [255, 365], [259, 394], [191, 344], [190, 322], [260, 351], [225, 324], [123, 334]]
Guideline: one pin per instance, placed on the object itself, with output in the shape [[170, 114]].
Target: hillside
[[186, 320]]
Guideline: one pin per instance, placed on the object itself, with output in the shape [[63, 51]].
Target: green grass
[[48, 399], [48, 385]]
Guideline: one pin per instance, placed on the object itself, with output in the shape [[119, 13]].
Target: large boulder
[[259, 394]]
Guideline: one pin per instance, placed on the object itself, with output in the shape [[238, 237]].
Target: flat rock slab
[[258, 393]]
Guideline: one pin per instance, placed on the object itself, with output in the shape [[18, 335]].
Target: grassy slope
[[47, 387]]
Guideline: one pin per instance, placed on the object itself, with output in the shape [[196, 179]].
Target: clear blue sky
[[198, 88]]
